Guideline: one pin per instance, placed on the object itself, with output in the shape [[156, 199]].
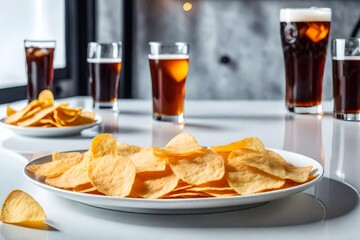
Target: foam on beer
[[168, 56], [103, 60], [305, 15]]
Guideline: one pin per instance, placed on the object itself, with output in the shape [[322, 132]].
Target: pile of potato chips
[[182, 169], [42, 112]]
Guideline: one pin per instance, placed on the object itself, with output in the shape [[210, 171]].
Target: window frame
[[68, 81]]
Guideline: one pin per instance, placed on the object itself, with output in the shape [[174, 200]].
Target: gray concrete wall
[[246, 31]]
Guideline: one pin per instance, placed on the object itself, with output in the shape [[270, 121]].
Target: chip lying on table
[[42, 112], [182, 169], [20, 208]]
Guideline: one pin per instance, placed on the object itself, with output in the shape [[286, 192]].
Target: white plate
[[184, 206], [48, 132]]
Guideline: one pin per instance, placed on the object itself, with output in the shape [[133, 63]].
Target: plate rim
[[257, 196], [50, 131]]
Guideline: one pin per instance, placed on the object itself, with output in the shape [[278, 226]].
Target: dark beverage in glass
[[168, 74], [105, 63], [346, 83], [104, 79], [304, 37], [39, 64], [169, 65]]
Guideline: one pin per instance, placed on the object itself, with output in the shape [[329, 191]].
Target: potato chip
[[146, 161], [221, 193], [247, 180], [32, 112], [73, 177], [46, 97], [125, 150], [103, 144], [198, 170], [14, 118], [64, 155], [63, 119], [37, 117], [182, 144], [250, 143], [10, 111], [55, 168], [70, 111], [20, 207], [186, 194], [87, 188], [155, 184], [297, 174], [181, 186], [112, 175], [82, 119], [268, 162]]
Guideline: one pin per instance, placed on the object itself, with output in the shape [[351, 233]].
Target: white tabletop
[[327, 211]]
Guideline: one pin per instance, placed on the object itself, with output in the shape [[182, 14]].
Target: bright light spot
[[187, 6]]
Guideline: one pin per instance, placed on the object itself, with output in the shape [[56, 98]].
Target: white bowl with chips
[[185, 206]]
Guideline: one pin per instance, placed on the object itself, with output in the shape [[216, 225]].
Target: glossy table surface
[[329, 210]]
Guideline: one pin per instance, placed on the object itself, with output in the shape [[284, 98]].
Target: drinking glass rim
[[345, 38], [105, 43], [308, 8], [42, 41], [165, 43]]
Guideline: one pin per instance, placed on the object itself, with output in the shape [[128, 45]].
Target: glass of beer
[[105, 63], [39, 65], [169, 64], [304, 37], [346, 78]]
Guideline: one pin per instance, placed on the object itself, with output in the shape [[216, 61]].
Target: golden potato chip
[[155, 184], [146, 161], [198, 170], [63, 119], [20, 207], [297, 174], [70, 111], [182, 144], [87, 188], [186, 194], [10, 111], [124, 149], [46, 97], [181, 186], [37, 116], [112, 174], [221, 193], [73, 177], [247, 180], [82, 119], [55, 168], [46, 121], [14, 118], [268, 162], [64, 155], [103, 144], [250, 143], [32, 112], [204, 189]]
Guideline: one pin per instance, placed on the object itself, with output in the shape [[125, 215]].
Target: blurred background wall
[[235, 44]]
